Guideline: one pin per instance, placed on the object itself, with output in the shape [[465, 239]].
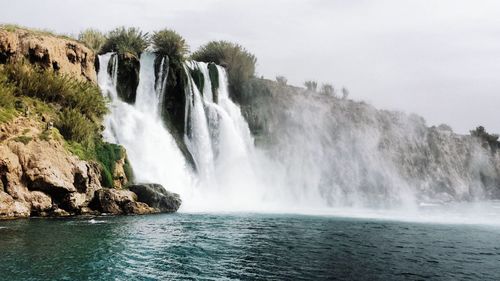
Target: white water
[[233, 175], [150, 147]]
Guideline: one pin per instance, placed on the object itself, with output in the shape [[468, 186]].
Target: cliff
[[61, 54], [353, 152], [53, 160]]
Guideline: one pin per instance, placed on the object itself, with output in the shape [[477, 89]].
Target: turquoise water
[[245, 247]]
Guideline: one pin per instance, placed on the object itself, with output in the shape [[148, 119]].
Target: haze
[[439, 59]]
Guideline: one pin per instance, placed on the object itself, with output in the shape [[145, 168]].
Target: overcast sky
[[440, 58]]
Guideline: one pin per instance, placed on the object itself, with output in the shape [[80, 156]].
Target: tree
[[311, 85], [486, 138], [169, 43], [126, 40], [239, 63]]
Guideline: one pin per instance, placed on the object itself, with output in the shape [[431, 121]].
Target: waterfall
[[319, 152], [151, 149]]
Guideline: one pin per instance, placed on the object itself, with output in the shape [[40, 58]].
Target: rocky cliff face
[[38, 174], [63, 55], [39, 177]]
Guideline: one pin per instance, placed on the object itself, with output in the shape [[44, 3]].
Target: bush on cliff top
[[92, 38], [126, 40], [240, 63], [169, 43]]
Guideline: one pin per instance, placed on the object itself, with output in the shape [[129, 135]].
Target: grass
[[35, 31], [78, 105], [23, 139], [92, 38]]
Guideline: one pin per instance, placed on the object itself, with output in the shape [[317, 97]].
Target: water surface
[[245, 247]]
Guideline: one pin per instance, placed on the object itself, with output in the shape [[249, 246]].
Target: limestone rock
[[139, 208], [113, 200], [9, 208], [39, 173], [40, 202], [61, 54], [157, 197]]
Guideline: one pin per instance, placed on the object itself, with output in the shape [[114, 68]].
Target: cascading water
[[150, 147], [322, 154]]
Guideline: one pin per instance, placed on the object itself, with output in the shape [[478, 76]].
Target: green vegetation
[[327, 89], [126, 40], [92, 38], [79, 105], [23, 139], [311, 85], [35, 31], [169, 43], [240, 63], [76, 107], [486, 138], [76, 127], [107, 154]]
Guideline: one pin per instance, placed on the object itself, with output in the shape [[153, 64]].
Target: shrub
[[126, 40], [311, 85], [92, 38], [74, 126], [7, 98], [327, 89], [62, 90], [169, 43], [23, 139], [239, 63]]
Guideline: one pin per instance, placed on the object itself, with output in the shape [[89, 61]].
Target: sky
[[439, 59]]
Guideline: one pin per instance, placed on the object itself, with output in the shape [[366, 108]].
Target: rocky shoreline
[[38, 177]]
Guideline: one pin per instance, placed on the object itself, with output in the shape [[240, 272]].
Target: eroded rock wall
[[63, 55]]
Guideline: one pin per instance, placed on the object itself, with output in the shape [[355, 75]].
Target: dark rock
[[157, 197], [127, 77]]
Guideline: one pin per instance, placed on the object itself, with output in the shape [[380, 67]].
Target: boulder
[[157, 197], [10, 208], [112, 201], [40, 202]]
